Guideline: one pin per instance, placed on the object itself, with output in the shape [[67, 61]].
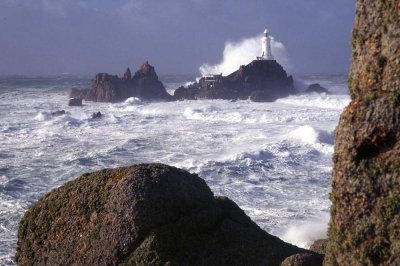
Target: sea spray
[[243, 52], [304, 233]]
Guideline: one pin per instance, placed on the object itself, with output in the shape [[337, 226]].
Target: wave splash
[[243, 52]]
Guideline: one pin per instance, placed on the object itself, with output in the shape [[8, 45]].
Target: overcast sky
[[176, 36]]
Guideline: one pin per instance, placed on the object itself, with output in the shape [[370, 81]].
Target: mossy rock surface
[[149, 214], [304, 259], [365, 214]]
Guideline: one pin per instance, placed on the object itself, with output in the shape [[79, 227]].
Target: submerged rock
[[261, 80], [96, 115], [365, 215], [58, 113], [315, 87], [144, 85], [149, 214]]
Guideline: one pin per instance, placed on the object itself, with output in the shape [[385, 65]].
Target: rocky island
[[143, 84], [261, 81]]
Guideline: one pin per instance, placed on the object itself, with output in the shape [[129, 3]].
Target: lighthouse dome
[[265, 31]]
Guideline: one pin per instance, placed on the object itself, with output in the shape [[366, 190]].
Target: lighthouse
[[266, 53]]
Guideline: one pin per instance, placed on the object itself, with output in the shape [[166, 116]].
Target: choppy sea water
[[272, 159]]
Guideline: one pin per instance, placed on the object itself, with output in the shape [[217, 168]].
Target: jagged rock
[[128, 74], [315, 87], [144, 84], [75, 102], [319, 246], [148, 86], [149, 214], [108, 88], [365, 214], [304, 259], [261, 80]]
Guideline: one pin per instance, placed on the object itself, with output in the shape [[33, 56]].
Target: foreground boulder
[[261, 81], [365, 214], [149, 214], [144, 84]]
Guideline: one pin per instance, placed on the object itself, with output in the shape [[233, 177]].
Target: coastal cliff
[[365, 214]]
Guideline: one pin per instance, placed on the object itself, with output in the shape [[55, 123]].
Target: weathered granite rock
[[75, 102], [261, 80], [304, 259], [319, 246], [365, 214], [127, 74], [149, 214], [148, 86], [315, 87], [144, 84]]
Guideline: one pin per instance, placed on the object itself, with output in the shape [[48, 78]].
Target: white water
[[242, 52], [272, 159]]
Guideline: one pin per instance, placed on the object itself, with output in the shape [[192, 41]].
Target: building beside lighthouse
[[266, 53]]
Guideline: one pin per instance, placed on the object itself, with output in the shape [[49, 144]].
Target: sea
[[273, 159]]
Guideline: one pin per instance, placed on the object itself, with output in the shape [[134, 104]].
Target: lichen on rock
[[365, 214], [149, 214]]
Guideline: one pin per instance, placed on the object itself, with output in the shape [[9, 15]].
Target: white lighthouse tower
[[266, 53]]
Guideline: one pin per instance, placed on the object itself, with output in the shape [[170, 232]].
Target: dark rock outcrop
[[143, 215], [96, 115], [58, 113], [144, 84], [261, 80], [304, 259], [365, 215], [315, 87], [75, 102]]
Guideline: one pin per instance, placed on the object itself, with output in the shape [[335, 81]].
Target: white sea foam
[[304, 233], [318, 100]]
